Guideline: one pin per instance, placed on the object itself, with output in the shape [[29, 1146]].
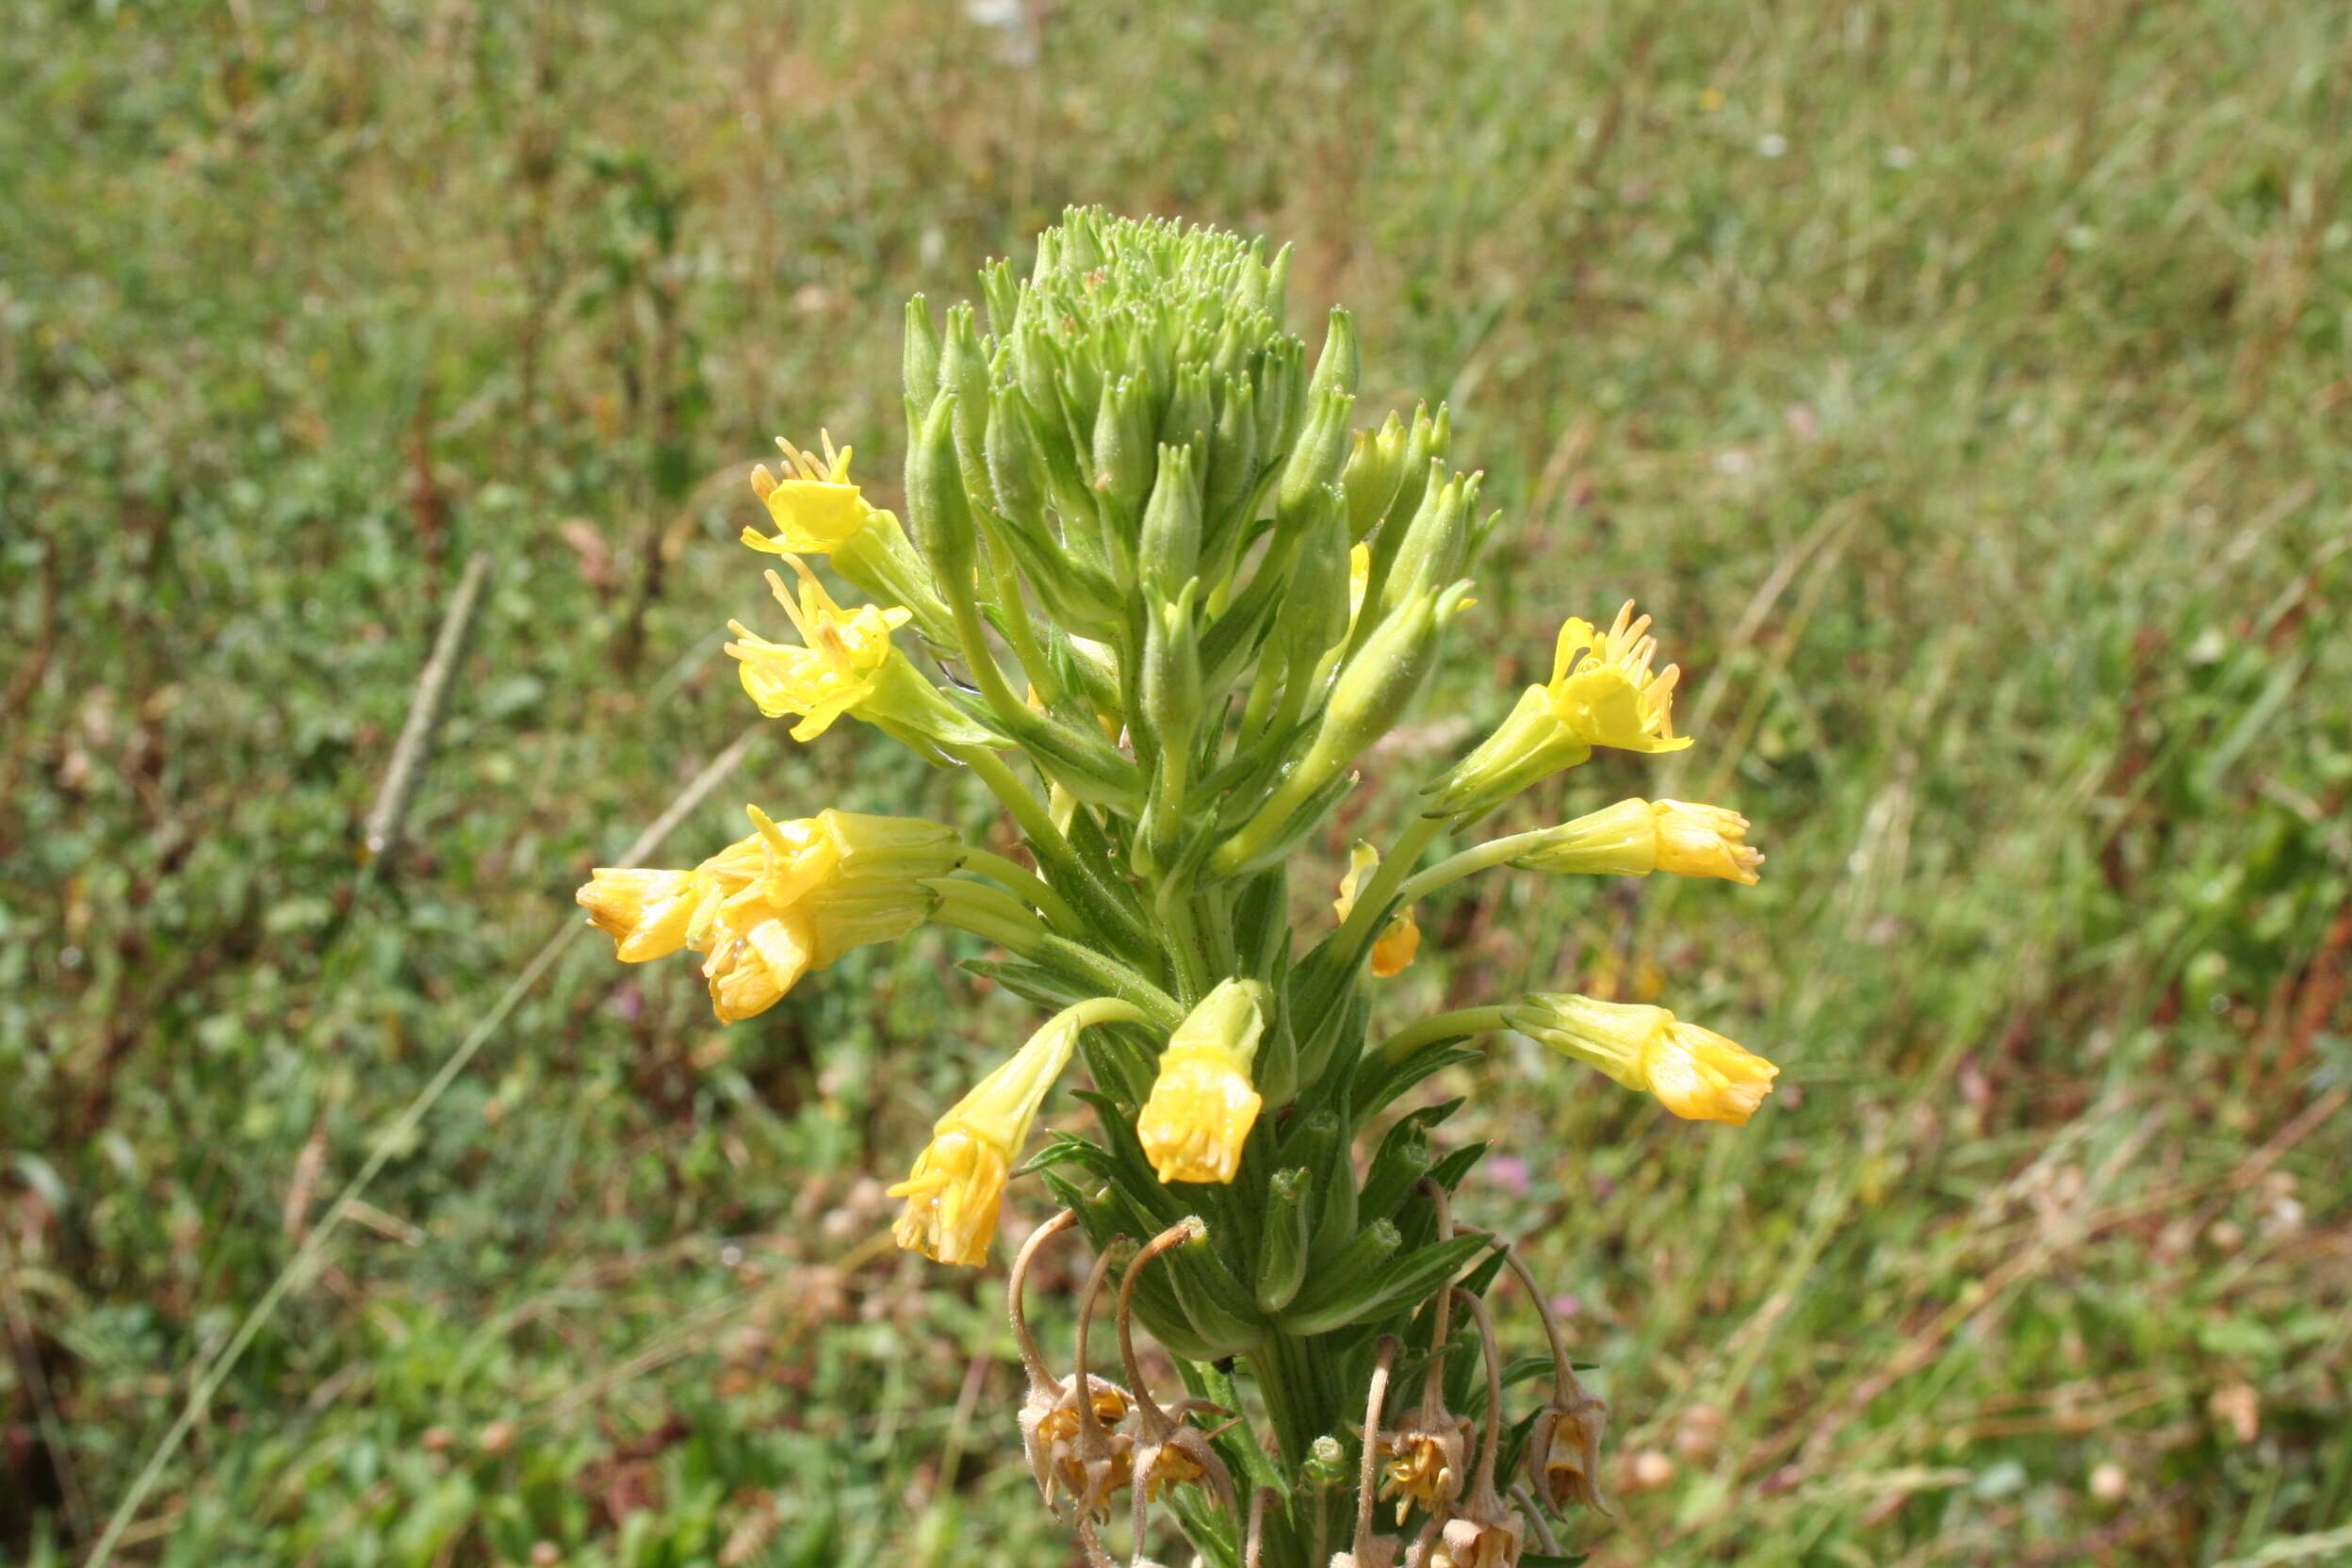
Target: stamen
[[784, 597]]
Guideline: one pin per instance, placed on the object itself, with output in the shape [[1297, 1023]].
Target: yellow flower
[[954, 1197], [1602, 688], [843, 665], [645, 912], [1399, 940], [768, 908], [1359, 580], [815, 507], [958, 1185], [1602, 693], [1705, 841], [1398, 945], [1635, 838], [1202, 1105], [1694, 1072]]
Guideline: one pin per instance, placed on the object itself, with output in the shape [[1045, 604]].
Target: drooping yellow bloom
[[957, 1188], [768, 908], [1695, 1072], [1602, 693], [1635, 838], [1399, 940], [815, 508], [1202, 1104], [844, 664]]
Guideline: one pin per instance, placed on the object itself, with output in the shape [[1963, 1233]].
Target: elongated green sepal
[[1283, 1241]]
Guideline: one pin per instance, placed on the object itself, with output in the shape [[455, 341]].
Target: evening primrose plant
[[1161, 597]]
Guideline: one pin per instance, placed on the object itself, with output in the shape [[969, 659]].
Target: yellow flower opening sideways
[[815, 508], [1602, 693], [792, 897], [1202, 1105], [1694, 1072], [1602, 688], [1399, 940], [1635, 838], [846, 654], [957, 1188]]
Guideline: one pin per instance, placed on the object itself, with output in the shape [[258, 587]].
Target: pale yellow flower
[[1705, 841], [1602, 693], [1602, 688], [815, 508], [1694, 1072], [792, 897], [645, 912], [957, 1188], [846, 656], [1202, 1104], [1635, 838]]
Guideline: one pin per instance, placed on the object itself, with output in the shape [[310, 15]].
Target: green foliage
[[1961, 389]]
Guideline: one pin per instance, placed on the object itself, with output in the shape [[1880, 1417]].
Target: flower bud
[[1170, 546], [1124, 463], [920, 359], [1375, 468], [1017, 469], [1337, 367], [1436, 543], [936, 502], [1232, 477], [1318, 457], [1314, 612]]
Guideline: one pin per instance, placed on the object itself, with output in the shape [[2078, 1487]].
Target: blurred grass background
[[1964, 387]]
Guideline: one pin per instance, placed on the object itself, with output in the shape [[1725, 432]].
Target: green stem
[[1018, 631], [1026, 883], [1494, 852], [1459, 1024], [1056, 855], [992, 913], [980, 658], [986, 911]]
